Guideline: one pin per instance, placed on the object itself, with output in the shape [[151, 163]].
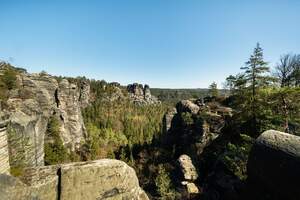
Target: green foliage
[[236, 156], [114, 124], [261, 104], [7, 79], [164, 185], [186, 119], [280, 109], [102, 141], [55, 152], [213, 89], [255, 78], [173, 96]]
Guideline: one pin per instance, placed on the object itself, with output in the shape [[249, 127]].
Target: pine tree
[[213, 89], [255, 77]]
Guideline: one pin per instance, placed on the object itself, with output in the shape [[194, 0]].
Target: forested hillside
[[208, 132]]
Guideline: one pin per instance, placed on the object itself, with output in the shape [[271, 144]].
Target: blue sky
[[165, 43]]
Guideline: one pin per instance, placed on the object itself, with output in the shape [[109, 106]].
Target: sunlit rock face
[[36, 99], [4, 156], [101, 179], [141, 95]]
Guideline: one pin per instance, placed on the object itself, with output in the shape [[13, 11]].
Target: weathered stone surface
[[168, 118], [84, 94], [45, 187], [141, 95], [192, 188], [36, 99], [4, 157], [69, 110], [187, 106], [187, 168], [101, 179], [274, 163]]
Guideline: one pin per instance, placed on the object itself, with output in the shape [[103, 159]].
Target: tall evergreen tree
[[213, 89], [255, 77]]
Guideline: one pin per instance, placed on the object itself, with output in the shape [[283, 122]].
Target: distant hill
[[172, 96]]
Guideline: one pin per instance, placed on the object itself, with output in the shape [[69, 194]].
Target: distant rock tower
[[141, 95], [4, 157]]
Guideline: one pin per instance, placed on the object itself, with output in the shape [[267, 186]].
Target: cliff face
[[4, 157], [35, 100], [100, 179], [140, 94]]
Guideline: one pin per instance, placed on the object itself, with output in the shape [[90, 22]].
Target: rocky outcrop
[[274, 164], [189, 174], [4, 157], [84, 94], [36, 99], [167, 120], [187, 168], [69, 110], [141, 95], [196, 124], [187, 106], [100, 179]]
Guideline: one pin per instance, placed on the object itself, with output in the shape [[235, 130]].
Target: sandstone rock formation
[[197, 125], [189, 173], [274, 164], [187, 106], [187, 168], [4, 157], [167, 120], [100, 179], [36, 99], [140, 94]]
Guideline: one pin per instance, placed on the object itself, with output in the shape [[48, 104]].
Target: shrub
[[55, 152], [163, 184]]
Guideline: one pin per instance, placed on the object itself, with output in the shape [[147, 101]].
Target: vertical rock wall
[[36, 99], [4, 158]]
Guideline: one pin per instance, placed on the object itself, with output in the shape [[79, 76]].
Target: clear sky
[[165, 43]]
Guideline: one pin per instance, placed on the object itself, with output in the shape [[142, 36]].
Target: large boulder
[[101, 179], [274, 163], [187, 106]]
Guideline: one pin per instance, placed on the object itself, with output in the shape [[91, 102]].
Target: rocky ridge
[[32, 103], [101, 179]]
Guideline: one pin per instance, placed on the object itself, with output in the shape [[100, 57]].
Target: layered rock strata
[[101, 179], [36, 99], [4, 156]]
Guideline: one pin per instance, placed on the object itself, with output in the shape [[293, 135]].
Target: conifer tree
[[255, 77], [213, 89]]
